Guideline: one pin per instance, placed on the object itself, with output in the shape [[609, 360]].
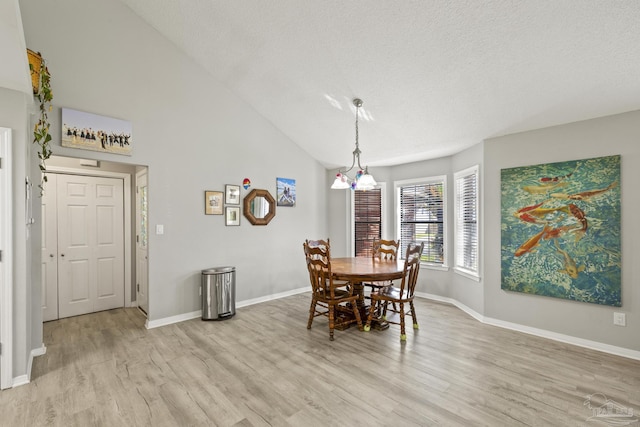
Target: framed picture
[[213, 202], [233, 215], [232, 194], [88, 131], [286, 192]]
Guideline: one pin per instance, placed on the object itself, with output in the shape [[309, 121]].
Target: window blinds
[[466, 208], [367, 220], [422, 219]]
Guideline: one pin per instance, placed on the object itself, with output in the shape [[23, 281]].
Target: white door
[[142, 253], [49, 250], [90, 244]]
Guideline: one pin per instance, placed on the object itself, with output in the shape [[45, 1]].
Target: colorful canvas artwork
[[561, 230]]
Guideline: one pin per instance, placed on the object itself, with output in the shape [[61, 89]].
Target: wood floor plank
[[263, 367]]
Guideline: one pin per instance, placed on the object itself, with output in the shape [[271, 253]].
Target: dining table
[[360, 270]]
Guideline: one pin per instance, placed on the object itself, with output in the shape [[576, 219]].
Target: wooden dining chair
[[402, 294], [331, 298], [384, 250]]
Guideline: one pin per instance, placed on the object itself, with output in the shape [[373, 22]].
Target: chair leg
[[372, 310], [413, 316], [331, 321], [356, 312], [403, 334], [312, 312]]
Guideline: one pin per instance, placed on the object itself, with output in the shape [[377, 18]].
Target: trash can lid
[[215, 270]]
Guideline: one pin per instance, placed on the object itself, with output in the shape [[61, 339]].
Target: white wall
[[194, 135], [619, 134]]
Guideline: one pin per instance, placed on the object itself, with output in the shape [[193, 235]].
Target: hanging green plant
[[41, 135]]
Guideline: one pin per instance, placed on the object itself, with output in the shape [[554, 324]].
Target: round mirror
[[259, 207]]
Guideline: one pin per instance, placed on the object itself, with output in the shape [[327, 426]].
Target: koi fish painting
[[560, 227]]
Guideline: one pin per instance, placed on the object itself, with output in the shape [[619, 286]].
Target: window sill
[[434, 266], [466, 273]]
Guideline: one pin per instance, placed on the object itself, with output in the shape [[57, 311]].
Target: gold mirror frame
[[248, 213]]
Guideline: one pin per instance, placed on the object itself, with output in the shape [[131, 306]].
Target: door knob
[[50, 255], [62, 255]]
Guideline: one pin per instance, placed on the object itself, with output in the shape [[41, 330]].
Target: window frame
[[458, 246], [438, 179]]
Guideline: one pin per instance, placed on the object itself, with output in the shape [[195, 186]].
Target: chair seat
[[378, 285], [340, 295], [391, 293]]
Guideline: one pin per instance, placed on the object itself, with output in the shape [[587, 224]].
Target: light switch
[[159, 229]]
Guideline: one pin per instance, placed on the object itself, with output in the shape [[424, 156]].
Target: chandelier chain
[[357, 111]]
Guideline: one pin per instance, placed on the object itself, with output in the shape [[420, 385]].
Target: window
[[422, 213], [367, 220], [466, 216]]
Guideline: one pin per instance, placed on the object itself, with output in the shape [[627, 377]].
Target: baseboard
[[253, 301], [194, 314], [21, 380], [26, 378], [543, 333], [150, 324]]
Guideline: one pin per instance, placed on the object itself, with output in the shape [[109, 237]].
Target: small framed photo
[[213, 201], [232, 194], [286, 191], [232, 215]]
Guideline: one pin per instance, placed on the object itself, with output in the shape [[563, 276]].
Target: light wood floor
[[263, 367]]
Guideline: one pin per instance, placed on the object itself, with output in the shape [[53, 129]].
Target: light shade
[[341, 182], [366, 182]]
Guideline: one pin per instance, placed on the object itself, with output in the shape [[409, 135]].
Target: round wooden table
[[359, 270], [366, 269]]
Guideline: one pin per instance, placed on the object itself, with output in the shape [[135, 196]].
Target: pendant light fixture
[[363, 180]]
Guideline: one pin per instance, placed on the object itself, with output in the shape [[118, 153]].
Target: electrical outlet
[[619, 319]]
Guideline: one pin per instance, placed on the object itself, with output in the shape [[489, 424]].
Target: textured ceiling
[[435, 76]]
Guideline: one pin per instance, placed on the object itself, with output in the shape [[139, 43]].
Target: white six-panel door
[[90, 244]]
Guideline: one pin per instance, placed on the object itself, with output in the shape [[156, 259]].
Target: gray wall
[[15, 113], [194, 135], [619, 134], [464, 290]]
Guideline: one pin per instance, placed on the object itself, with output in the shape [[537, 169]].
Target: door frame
[[139, 174], [6, 281], [127, 218]]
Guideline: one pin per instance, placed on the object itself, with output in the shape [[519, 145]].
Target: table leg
[[376, 322]]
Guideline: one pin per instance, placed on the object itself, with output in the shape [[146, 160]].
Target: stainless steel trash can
[[218, 293]]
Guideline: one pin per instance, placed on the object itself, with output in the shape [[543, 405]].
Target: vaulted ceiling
[[436, 76]]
